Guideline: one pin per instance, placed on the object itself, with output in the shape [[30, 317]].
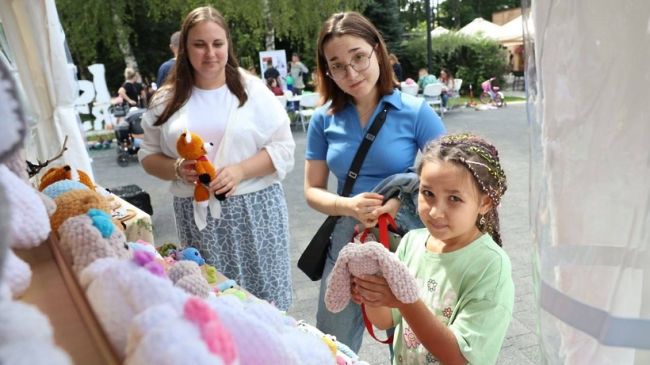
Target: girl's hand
[[228, 178], [373, 291], [391, 207], [364, 208]]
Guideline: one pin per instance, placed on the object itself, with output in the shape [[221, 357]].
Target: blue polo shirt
[[410, 124]]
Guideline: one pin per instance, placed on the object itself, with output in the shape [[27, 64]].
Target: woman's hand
[[228, 178], [364, 208], [187, 172], [373, 291]]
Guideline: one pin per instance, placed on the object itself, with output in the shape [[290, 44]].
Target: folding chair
[[308, 103], [432, 93], [410, 88]]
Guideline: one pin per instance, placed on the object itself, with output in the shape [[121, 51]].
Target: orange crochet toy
[[190, 146], [64, 173]]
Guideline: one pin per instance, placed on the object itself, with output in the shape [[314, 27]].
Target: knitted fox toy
[[190, 146], [64, 173]]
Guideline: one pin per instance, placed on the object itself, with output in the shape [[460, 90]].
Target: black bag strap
[[363, 151]]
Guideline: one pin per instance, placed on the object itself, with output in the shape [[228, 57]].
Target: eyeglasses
[[360, 62]]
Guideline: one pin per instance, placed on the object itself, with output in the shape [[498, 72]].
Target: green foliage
[[384, 14], [92, 37], [457, 13], [469, 58]]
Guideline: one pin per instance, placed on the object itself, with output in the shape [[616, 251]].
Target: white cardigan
[[262, 123]]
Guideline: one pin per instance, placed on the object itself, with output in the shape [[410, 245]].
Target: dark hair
[[481, 159], [356, 25], [181, 78]]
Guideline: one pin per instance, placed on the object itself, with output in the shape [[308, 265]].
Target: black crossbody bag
[[312, 260]]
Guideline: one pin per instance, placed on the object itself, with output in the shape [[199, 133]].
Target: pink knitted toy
[[369, 258], [84, 240]]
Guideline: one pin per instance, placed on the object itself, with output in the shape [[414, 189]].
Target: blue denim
[[346, 325], [445, 98]]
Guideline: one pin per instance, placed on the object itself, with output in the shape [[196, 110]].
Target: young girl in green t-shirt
[[464, 276]]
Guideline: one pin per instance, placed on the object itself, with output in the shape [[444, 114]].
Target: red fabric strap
[[384, 221], [370, 328]]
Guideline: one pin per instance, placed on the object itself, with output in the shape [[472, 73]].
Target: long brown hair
[[178, 88], [481, 159], [356, 25]]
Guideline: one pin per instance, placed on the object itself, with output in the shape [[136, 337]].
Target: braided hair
[[482, 159]]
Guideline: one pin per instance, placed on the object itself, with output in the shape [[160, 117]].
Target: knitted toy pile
[[370, 258], [25, 333]]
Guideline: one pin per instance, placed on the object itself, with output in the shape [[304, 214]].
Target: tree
[[385, 15], [121, 32], [457, 13]]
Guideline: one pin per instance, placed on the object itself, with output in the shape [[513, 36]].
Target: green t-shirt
[[470, 290]]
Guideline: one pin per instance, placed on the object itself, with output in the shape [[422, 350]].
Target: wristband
[[177, 165]]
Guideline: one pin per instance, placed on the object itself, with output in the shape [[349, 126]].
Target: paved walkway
[[507, 128]]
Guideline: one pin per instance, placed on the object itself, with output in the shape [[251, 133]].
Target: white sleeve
[[151, 142], [281, 148], [280, 144]]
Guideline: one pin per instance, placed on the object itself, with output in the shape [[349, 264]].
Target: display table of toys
[[103, 299]]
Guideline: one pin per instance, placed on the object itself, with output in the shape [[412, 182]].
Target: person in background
[[245, 236], [355, 79], [397, 67], [275, 88], [425, 78], [131, 90], [297, 72], [163, 70], [448, 86], [465, 277], [271, 72]]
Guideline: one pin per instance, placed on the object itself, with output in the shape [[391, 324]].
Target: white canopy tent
[[438, 31], [590, 200], [481, 28], [47, 76], [512, 32]]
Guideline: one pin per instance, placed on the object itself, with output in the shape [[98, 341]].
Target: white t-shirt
[[207, 116]]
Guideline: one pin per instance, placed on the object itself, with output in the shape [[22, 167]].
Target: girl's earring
[[481, 221]]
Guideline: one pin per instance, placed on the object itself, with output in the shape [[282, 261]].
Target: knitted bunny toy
[[369, 258], [28, 226], [162, 335], [91, 236], [118, 290], [25, 333], [187, 275], [264, 335]]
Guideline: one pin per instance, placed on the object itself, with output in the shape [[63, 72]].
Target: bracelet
[[177, 165]]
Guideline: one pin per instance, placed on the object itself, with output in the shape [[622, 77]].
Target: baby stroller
[[127, 145]]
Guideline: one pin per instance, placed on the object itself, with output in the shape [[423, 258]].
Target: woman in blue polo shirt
[[356, 81]]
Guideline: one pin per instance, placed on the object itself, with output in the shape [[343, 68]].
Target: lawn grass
[[463, 100]]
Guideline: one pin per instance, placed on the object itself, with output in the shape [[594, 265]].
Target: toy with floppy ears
[[370, 258], [190, 146]]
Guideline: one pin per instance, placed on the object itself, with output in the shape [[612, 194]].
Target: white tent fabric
[[438, 31], [590, 200], [37, 41], [481, 27]]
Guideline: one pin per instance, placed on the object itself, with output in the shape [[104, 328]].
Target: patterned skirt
[[249, 243]]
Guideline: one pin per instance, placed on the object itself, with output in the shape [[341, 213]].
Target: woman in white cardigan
[[245, 236]]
